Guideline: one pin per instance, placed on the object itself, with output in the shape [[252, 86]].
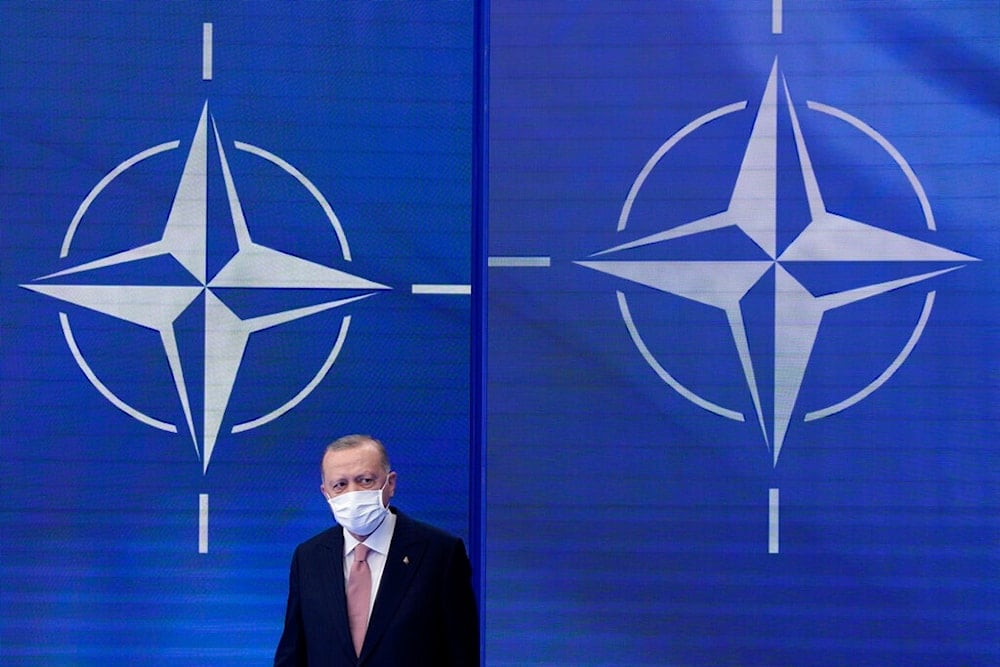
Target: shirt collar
[[377, 541]]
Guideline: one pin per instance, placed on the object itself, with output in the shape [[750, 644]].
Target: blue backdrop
[[712, 286], [742, 376], [258, 217]]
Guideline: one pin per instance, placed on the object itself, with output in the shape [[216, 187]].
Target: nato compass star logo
[[826, 239], [697, 260], [158, 307], [199, 285]]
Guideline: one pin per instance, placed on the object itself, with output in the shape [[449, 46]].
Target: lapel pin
[[406, 560]]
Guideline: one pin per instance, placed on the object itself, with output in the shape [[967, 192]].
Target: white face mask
[[359, 512]]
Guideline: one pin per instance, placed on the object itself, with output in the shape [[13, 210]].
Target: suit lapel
[[406, 552], [332, 582]]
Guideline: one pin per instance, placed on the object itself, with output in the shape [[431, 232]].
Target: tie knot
[[361, 553]]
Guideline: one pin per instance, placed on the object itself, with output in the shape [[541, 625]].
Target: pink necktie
[[359, 596]]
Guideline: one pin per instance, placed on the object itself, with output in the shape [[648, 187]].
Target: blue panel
[[192, 217], [743, 384]]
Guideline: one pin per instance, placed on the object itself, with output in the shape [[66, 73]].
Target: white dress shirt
[[378, 544]]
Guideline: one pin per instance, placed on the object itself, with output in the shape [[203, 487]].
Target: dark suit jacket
[[425, 611]]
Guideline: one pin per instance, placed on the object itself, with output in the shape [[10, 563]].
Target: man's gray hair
[[358, 440]]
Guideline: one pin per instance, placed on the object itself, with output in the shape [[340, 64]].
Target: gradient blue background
[[624, 524], [522, 418], [373, 104]]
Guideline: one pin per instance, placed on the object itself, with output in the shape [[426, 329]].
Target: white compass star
[[185, 239], [753, 209]]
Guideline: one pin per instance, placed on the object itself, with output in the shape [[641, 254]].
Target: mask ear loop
[[381, 491]]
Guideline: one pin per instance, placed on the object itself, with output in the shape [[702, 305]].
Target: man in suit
[[380, 589]]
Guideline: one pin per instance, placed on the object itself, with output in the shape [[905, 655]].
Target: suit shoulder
[[425, 530]]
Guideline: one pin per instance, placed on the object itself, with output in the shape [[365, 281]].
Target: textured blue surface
[[100, 512]]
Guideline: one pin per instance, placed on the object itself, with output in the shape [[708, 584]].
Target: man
[[380, 589]]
